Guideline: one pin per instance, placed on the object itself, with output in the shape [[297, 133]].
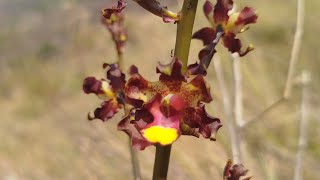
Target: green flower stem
[[184, 32], [183, 40], [120, 61], [161, 163]]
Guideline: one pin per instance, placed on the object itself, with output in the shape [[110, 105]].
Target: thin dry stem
[[295, 48], [293, 61], [238, 106], [303, 126], [134, 157], [234, 138]]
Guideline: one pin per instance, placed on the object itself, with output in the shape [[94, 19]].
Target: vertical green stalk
[[161, 163], [184, 32], [120, 61], [182, 47]]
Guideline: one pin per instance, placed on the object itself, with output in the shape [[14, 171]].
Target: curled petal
[[135, 89], [221, 10], [137, 140], [109, 11], [234, 172], [92, 85], [116, 77], [197, 118], [99, 87], [107, 110], [207, 35], [208, 12], [238, 21], [247, 16], [234, 45], [205, 56], [171, 71], [133, 70]]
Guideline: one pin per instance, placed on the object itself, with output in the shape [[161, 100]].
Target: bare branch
[[237, 77], [234, 138], [295, 48], [303, 126], [245, 124], [293, 61]]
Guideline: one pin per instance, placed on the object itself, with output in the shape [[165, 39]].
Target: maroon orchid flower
[[115, 24], [230, 25], [107, 13], [160, 111], [110, 91], [234, 172]]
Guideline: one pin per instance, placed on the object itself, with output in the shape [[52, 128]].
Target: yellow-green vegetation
[[47, 49]]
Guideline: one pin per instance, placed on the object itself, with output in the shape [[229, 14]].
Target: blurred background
[[48, 47]]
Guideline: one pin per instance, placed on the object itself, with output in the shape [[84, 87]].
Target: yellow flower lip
[[160, 134]]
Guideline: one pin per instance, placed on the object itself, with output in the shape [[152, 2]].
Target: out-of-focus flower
[[115, 25], [161, 111], [229, 25], [108, 90], [152, 6], [234, 172], [109, 11]]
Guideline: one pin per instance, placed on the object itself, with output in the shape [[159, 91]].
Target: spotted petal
[[196, 121]]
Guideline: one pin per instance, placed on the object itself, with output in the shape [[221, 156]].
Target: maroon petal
[[221, 10], [116, 77], [247, 16], [135, 88], [198, 119], [208, 10], [92, 85], [107, 110], [234, 45], [171, 71], [234, 172], [137, 140], [207, 35], [109, 11], [133, 70], [205, 56]]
